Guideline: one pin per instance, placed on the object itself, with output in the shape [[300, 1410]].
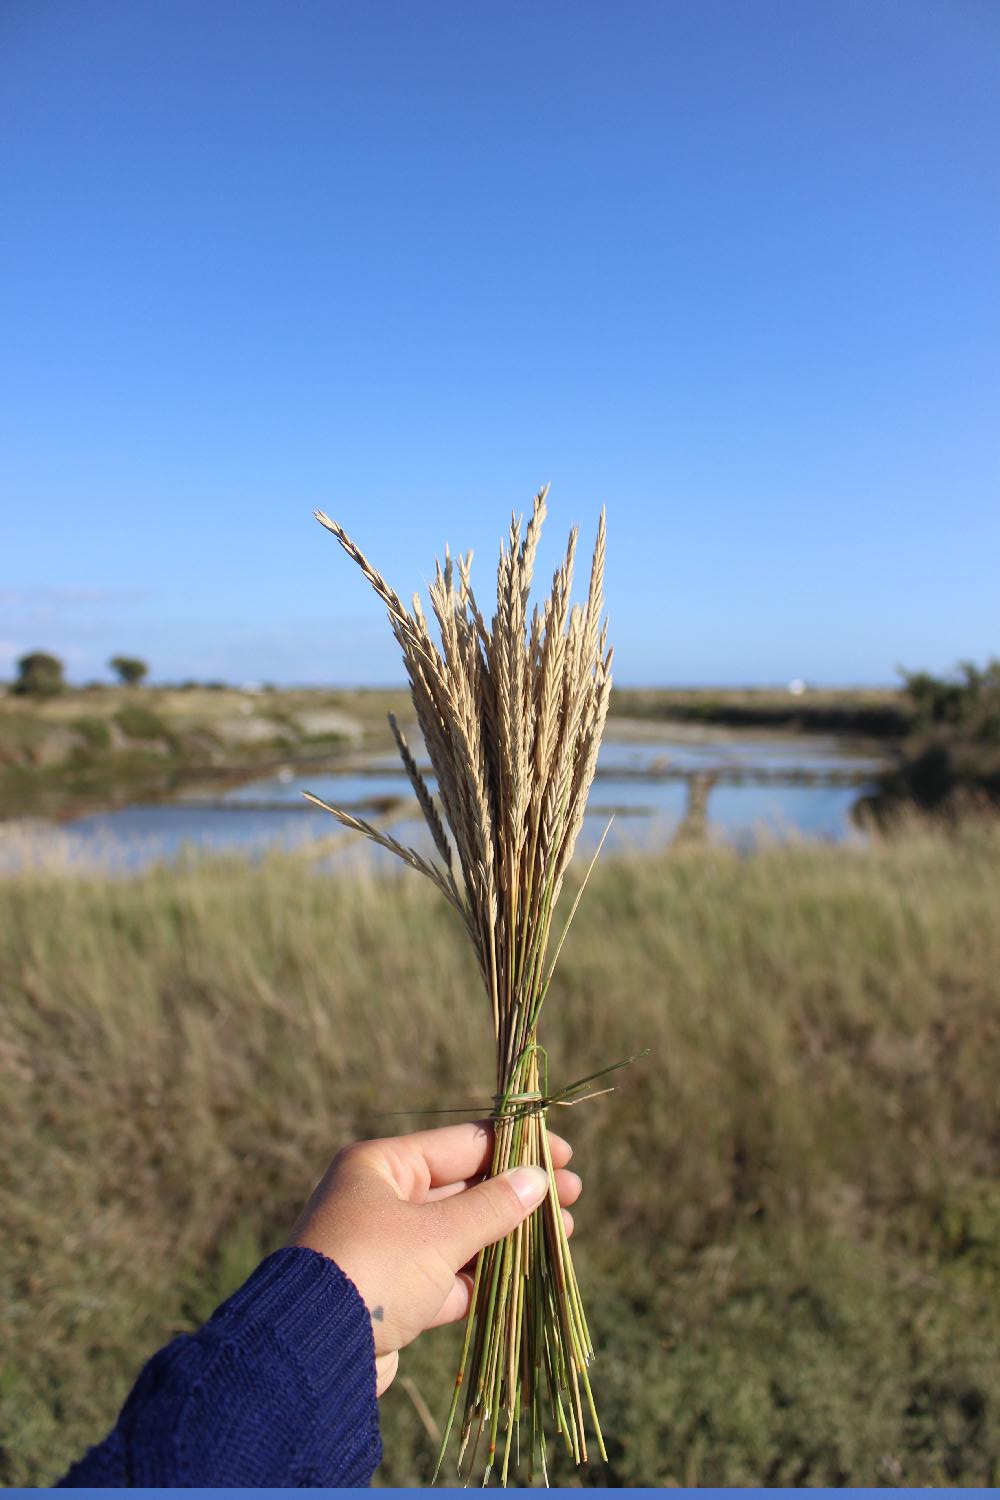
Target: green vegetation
[[55, 756], [953, 751], [876, 713], [39, 675], [94, 733], [141, 723], [789, 1239], [130, 670], [968, 701]]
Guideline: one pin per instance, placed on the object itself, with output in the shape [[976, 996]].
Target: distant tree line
[[41, 675]]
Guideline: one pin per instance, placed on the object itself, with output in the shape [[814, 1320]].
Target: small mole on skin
[[378, 1313]]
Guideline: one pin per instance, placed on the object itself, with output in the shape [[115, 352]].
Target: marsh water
[[657, 783]]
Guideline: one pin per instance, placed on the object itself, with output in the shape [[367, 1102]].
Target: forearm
[[277, 1389]]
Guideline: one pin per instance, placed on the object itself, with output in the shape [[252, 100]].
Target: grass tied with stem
[[511, 712]]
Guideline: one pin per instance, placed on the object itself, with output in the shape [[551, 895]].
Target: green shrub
[[141, 723], [39, 674], [94, 732], [967, 702], [129, 669]]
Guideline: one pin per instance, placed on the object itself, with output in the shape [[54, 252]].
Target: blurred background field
[[153, 767], [789, 1239], [790, 1236]]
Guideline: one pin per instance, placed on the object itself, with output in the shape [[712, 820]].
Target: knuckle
[[357, 1154], [347, 1154], [498, 1208], [505, 1202]]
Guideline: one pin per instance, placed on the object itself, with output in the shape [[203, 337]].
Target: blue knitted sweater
[[278, 1389]]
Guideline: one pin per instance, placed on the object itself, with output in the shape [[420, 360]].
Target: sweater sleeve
[[277, 1389]]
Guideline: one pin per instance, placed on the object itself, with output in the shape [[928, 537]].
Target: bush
[[130, 669], [968, 702], [94, 732], [954, 749], [40, 674], [141, 723]]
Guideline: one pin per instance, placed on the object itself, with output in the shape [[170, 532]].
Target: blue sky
[[730, 267]]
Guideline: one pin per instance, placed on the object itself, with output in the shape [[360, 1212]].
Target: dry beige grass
[[789, 1240], [511, 713]]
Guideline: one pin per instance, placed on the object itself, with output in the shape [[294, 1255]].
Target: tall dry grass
[[789, 1238]]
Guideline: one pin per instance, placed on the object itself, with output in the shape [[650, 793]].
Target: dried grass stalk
[[511, 713]]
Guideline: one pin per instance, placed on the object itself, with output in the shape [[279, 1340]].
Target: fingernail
[[529, 1183]]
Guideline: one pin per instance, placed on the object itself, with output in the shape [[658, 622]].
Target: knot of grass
[[532, 1102]]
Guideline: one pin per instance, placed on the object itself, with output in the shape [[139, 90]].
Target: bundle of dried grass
[[511, 713]]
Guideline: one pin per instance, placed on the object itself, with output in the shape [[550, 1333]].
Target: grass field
[[789, 1240]]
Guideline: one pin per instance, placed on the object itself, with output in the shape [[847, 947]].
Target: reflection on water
[[650, 809]]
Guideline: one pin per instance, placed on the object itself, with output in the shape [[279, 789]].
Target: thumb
[[486, 1212]]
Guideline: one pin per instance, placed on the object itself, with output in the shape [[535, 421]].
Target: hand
[[406, 1217]]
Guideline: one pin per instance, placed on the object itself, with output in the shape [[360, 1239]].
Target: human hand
[[405, 1218]]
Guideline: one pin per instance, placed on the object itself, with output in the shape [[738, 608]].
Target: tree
[[130, 669], [967, 703], [39, 673]]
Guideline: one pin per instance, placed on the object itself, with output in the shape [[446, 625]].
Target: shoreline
[[60, 800]]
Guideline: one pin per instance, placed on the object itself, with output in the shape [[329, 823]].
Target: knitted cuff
[[316, 1315]]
